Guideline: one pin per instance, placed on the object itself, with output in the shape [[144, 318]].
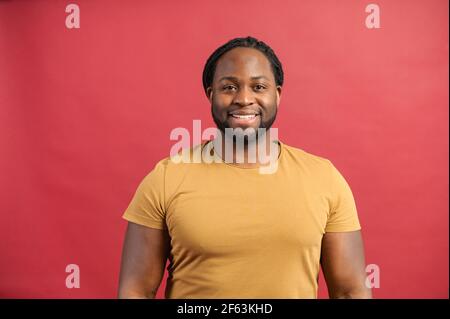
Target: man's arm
[[343, 265], [144, 257]]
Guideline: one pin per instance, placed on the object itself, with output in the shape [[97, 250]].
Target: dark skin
[[343, 265], [243, 82], [144, 256]]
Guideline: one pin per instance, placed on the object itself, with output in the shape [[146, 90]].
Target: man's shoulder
[[300, 155], [180, 161]]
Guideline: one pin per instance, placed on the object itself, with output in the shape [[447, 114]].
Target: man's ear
[[209, 93], [279, 89]]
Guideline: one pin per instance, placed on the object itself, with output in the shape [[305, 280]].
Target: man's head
[[242, 79]]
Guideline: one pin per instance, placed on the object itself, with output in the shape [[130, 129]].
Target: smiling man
[[243, 86], [229, 231]]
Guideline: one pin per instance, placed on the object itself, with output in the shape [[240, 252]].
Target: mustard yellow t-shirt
[[236, 233]]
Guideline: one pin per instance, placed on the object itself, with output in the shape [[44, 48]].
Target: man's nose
[[244, 97]]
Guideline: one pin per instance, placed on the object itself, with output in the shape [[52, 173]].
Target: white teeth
[[244, 116]]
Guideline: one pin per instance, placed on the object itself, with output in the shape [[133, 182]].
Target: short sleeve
[[147, 205], [343, 215]]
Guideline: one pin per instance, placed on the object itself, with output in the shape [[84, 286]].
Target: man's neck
[[250, 156]]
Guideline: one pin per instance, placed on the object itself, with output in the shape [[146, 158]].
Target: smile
[[244, 117]]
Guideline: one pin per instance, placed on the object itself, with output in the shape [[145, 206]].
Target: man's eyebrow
[[259, 77], [233, 78]]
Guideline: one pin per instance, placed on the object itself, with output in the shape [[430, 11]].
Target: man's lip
[[244, 116], [243, 113]]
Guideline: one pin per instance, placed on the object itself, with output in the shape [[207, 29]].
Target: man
[[230, 231]]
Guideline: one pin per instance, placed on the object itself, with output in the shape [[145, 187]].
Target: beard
[[264, 125]]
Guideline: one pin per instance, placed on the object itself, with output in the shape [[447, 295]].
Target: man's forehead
[[243, 60]]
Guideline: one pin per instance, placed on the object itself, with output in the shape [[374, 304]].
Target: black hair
[[248, 42]]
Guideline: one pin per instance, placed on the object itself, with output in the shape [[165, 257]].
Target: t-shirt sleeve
[[147, 206], [343, 215]]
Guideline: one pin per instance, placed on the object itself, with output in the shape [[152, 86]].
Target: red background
[[86, 113]]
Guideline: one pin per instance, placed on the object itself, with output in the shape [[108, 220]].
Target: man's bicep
[[144, 257], [343, 264]]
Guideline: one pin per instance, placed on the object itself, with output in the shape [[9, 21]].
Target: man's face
[[243, 93]]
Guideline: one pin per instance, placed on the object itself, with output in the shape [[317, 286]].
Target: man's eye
[[259, 87], [229, 87]]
